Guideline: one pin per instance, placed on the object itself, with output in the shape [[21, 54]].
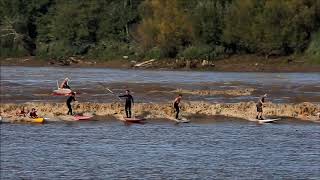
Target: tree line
[[192, 29]]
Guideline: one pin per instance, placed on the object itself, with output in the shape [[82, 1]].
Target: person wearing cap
[[260, 106], [69, 100], [65, 84], [129, 101]]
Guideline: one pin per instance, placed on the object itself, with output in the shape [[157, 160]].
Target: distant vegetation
[[141, 29]]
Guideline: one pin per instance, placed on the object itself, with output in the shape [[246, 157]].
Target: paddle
[[113, 93], [101, 84]]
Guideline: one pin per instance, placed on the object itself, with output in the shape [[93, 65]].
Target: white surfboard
[[268, 120], [181, 120], [62, 91]]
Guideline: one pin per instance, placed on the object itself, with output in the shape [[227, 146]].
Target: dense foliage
[[110, 29]]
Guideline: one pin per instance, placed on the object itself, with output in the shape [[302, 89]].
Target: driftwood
[[144, 63]]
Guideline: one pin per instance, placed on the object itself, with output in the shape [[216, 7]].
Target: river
[[25, 84], [220, 150], [224, 148]]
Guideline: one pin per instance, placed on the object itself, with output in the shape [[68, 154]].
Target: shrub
[[196, 52], [154, 53], [53, 50], [313, 51], [13, 52], [108, 50]]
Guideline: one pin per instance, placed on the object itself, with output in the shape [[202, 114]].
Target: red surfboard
[[78, 117], [133, 120]]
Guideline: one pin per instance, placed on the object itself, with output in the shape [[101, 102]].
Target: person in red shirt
[[22, 112]]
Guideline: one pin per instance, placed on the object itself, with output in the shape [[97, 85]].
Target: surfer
[[69, 100], [65, 84], [260, 106], [33, 113], [129, 100], [176, 104]]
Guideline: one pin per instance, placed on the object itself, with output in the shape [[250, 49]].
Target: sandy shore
[[243, 110]]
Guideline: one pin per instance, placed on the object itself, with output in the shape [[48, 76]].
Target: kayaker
[[176, 104], [22, 112], [33, 113], [65, 84], [259, 106], [69, 100], [129, 101]]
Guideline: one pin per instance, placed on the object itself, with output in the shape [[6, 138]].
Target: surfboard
[[181, 120], [62, 92], [133, 119], [268, 120], [78, 117]]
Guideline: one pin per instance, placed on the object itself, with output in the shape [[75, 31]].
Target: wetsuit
[[129, 100], [69, 100], [176, 106]]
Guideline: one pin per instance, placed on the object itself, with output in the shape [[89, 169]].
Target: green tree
[[17, 25], [270, 26], [96, 28], [165, 26]]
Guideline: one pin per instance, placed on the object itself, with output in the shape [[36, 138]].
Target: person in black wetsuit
[[176, 104], [129, 100], [69, 100]]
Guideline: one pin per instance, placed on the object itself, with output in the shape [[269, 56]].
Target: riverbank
[[191, 110], [243, 63]]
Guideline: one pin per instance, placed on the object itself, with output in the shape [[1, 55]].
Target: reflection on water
[[101, 150]]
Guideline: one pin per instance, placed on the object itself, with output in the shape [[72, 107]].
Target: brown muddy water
[[229, 149], [25, 84], [223, 148]]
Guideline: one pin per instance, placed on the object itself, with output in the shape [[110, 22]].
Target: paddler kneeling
[[22, 112], [65, 84], [33, 113]]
